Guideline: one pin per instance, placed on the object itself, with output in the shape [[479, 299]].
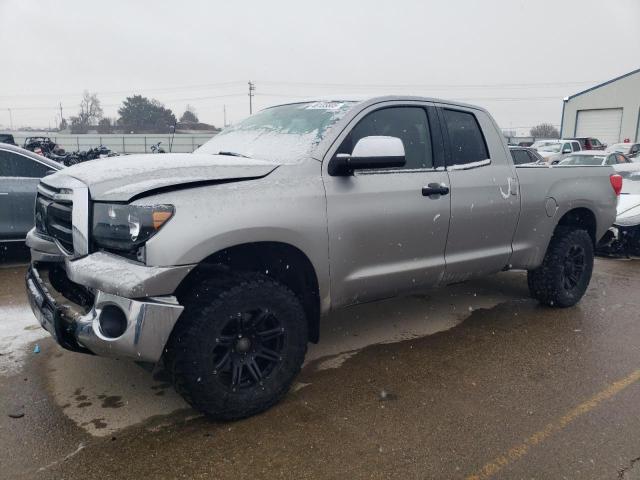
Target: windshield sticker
[[324, 106]]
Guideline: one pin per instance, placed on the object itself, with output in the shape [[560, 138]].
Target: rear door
[[386, 236], [485, 202]]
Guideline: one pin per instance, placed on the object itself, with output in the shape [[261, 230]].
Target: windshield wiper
[[233, 154]]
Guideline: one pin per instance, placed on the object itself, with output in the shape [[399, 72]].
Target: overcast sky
[[517, 58]]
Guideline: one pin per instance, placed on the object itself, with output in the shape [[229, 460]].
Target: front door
[[385, 236], [485, 202], [20, 186]]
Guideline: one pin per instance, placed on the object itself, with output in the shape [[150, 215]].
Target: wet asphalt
[[504, 388]]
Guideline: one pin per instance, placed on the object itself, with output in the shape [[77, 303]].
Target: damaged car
[[623, 238]]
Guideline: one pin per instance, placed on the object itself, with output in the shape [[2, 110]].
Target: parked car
[[631, 150], [524, 155], [7, 138], [590, 143], [217, 262], [553, 153], [20, 173], [624, 237], [541, 143], [620, 163]]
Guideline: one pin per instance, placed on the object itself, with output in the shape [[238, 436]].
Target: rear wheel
[[238, 347], [565, 273]]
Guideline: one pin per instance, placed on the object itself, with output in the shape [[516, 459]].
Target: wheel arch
[[281, 261], [581, 217]]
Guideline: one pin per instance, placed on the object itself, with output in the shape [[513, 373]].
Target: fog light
[[113, 321]]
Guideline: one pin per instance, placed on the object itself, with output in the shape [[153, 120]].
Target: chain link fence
[[180, 143]]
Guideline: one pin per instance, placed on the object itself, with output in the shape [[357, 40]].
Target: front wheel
[[565, 273], [238, 346]]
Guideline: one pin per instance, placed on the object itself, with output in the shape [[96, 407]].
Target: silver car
[[221, 263], [20, 173]]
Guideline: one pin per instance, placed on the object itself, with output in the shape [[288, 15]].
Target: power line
[[181, 88], [129, 91], [465, 99], [107, 105], [433, 86]]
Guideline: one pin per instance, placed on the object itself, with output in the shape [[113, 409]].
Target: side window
[[409, 124], [621, 158], [25, 167], [532, 156], [576, 146], [595, 142], [565, 147], [465, 137], [520, 157], [611, 160], [6, 164]]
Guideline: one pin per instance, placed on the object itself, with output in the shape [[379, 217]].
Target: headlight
[[125, 227]]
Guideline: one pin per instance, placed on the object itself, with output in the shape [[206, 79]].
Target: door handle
[[435, 189]]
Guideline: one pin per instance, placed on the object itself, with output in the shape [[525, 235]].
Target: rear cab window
[[467, 142]]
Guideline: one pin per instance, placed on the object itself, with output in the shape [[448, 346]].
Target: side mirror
[[369, 152]]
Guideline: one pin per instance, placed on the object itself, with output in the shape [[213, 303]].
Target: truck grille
[[54, 216]]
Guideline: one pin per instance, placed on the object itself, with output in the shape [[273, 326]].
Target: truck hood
[[124, 177]]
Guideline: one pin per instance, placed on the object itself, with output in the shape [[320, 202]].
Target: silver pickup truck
[[221, 262]]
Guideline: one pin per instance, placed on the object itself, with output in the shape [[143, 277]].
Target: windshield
[[283, 134], [555, 148], [583, 160], [631, 184]]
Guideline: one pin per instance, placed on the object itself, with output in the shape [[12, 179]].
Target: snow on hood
[[123, 177]]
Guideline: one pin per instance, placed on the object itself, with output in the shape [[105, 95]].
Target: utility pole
[[61, 117], [10, 119], [224, 112], [252, 88]]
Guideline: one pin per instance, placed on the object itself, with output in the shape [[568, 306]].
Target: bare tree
[[544, 130], [189, 115], [90, 113]]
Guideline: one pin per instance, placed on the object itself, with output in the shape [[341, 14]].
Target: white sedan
[[631, 150]]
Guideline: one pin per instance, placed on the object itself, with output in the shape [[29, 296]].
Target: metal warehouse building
[[609, 112]]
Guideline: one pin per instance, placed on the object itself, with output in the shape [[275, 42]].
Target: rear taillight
[[616, 183]]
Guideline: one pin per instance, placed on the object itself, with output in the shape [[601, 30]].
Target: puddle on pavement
[[105, 395]]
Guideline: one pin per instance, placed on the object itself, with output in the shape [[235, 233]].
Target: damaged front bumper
[[76, 301], [620, 241], [146, 329]]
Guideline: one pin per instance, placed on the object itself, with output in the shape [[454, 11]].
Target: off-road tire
[[190, 352], [553, 282]]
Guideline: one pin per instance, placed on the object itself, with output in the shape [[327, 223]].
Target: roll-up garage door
[[604, 124]]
